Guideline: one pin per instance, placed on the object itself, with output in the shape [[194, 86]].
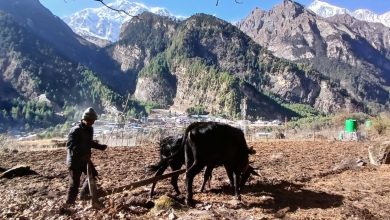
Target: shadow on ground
[[284, 195]]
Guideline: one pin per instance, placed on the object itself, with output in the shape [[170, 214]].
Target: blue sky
[[227, 9]]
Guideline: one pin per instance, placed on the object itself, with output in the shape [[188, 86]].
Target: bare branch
[[236, 1], [118, 10], [135, 16]]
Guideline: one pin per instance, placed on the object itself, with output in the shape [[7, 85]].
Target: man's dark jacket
[[79, 144]]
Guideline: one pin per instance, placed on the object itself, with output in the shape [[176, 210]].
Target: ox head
[[169, 145], [245, 175], [248, 169]]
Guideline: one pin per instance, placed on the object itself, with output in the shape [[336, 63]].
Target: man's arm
[[71, 144], [96, 145]]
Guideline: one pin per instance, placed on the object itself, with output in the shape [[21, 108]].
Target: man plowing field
[[79, 144]]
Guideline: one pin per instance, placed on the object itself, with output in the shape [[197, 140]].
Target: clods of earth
[[298, 180]]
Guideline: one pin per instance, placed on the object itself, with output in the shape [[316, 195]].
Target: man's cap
[[89, 114]]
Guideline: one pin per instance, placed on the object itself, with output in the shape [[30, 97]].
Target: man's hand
[[104, 146]]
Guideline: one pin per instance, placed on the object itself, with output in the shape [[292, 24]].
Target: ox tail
[[163, 162], [185, 137], [155, 167], [188, 129]]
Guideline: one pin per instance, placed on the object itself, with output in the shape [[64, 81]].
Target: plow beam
[[143, 182]]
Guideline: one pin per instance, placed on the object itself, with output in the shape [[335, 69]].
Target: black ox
[[172, 155], [213, 144]]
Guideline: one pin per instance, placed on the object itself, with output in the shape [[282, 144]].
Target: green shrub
[[312, 123], [381, 123], [303, 110], [197, 110]]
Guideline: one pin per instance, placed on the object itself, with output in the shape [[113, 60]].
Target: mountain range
[[271, 65], [102, 25]]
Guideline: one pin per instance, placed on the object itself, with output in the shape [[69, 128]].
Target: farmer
[[79, 146]]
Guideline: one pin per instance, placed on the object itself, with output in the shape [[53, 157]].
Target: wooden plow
[[131, 186]]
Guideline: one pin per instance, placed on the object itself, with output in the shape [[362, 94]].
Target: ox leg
[[174, 179], [190, 174], [158, 173], [207, 177], [229, 173], [236, 177]]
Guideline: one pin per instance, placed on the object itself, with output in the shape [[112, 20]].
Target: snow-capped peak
[[135, 8], [366, 15], [103, 23], [325, 9]]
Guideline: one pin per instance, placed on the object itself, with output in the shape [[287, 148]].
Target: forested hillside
[[37, 82]]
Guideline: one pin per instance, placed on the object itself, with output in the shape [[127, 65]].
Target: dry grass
[[12, 145]]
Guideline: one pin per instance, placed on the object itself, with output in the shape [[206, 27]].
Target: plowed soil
[[299, 180]]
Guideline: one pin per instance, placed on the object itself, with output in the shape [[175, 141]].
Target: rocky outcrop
[[205, 89], [18, 80], [353, 53], [130, 57], [219, 68], [379, 153], [150, 90], [377, 35], [141, 40]]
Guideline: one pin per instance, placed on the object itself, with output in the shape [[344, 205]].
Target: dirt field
[[299, 180]]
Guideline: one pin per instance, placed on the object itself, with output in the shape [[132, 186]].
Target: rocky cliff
[[351, 52], [215, 65]]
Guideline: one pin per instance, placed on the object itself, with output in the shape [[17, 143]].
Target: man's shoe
[[65, 209]]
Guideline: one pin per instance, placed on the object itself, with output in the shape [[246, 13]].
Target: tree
[[15, 112]]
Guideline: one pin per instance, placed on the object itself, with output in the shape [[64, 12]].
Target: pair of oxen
[[206, 144]]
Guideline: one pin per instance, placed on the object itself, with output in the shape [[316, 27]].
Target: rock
[[349, 164], [172, 216], [208, 207], [276, 156], [379, 153], [282, 212], [267, 200]]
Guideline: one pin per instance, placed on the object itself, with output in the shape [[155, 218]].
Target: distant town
[[161, 123]]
